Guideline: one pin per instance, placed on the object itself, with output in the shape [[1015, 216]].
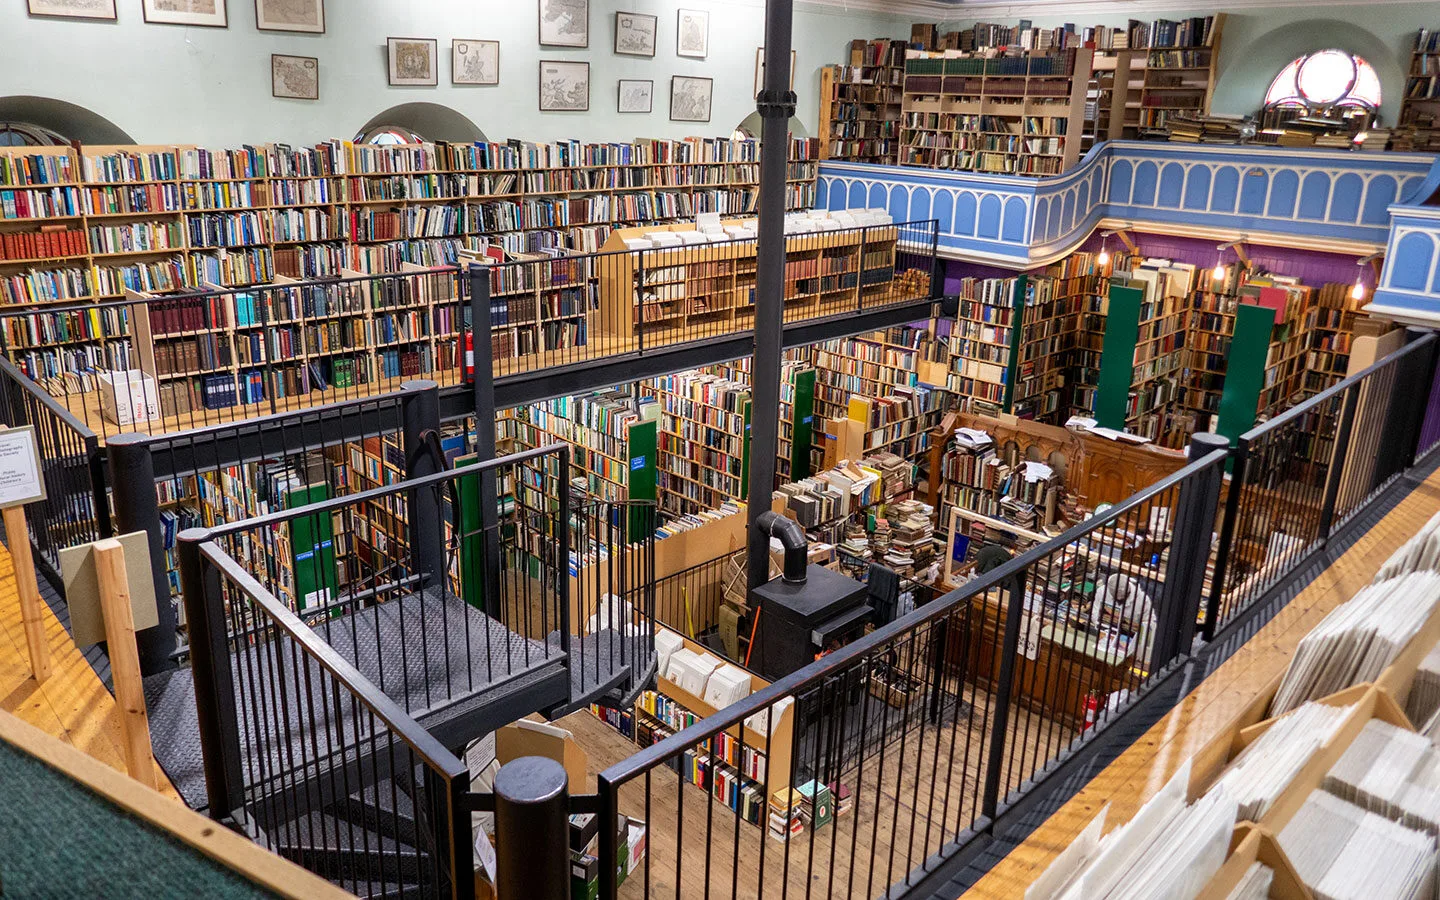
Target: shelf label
[[21, 478], [637, 463]]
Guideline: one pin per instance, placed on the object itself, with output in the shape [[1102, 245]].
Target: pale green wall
[[1255, 44], [209, 86]]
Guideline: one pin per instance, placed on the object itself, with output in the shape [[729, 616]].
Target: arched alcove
[[66, 119], [1241, 84], [749, 127], [433, 121]]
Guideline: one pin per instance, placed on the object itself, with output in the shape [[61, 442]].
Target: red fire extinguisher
[[1092, 709], [469, 364]]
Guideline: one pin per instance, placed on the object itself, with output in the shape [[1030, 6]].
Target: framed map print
[[412, 61], [564, 86], [208, 13], [294, 77], [692, 35], [74, 9], [636, 95], [635, 34], [760, 70], [474, 62], [290, 15], [690, 98], [564, 23]]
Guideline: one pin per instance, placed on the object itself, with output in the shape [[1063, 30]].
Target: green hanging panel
[[1245, 370], [1017, 321], [802, 425], [312, 547], [1117, 356], [472, 544], [640, 480]]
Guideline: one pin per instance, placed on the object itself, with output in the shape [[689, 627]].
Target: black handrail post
[[938, 633], [937, 276], [532, 839], [420, 414], [1014, 586], [608, 813], [776, 104], [1191, 532], [640, 296], [1335, 472], [214, 678], [100, 497], [562, 565], [860, 273], [483, 352], [132, 475], [1239, 457]]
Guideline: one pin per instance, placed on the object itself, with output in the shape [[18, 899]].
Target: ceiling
[[1072, 10]]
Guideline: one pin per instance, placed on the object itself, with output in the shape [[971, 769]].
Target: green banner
[[312, 544], [802, 425], [640, 480], [1117, 357], [1245, 370], [1017, 323], [472, 543]]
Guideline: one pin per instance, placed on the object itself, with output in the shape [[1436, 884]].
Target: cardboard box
[[584, 876], [530, 738], [128, 398], [636, 845]]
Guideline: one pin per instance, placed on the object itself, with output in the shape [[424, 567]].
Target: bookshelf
[[701, 288], [983, 345], [1420, 110], [1011, 114], [703, 440], [160, 218], [860, 103], [1153, 410], [795, 450], [1112, 101], [614, 441], [1180, 60]]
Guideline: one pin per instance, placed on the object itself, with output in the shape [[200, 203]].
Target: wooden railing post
[[114, 587]]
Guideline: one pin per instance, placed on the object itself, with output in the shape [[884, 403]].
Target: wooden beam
[[18, 533], [124, 660]]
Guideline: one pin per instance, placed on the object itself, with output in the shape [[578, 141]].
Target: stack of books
[[1211, 129], [785, 819], [1341, 850]]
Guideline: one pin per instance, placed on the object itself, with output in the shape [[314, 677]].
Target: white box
[[128, 397], [727, 685]]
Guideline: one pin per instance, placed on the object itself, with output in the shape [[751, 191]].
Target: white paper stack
[[729, 684], [1419, 554], [1254, 884], [1267, 766], [663, 238], [1375, 770], [1424, 697], [692, 237], [638, 243], [1345, 853], [1167, 850], [613, 613], [666, 643], [760, 721], [1357, 640], [692, 670]]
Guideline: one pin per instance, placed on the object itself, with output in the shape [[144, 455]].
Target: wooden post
[[18, 533], [124, 659]]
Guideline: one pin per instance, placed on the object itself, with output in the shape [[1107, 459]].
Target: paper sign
[[21, 479], [82, 588]]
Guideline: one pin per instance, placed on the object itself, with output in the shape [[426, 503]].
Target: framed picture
[[290, 15], [412, 60], [635, 34], [294, 77], [692, 35], [208, 13], [690, 98], [760, 70], [564, 23], [76, 9], [474, 62], [636, 96], [564, 86]]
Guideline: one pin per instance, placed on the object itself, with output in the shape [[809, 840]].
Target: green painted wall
[[1255, 44]]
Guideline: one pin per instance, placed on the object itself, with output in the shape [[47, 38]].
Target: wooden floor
[[1133, 778], [72, 704]]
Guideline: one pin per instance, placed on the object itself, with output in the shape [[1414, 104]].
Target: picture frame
[[93, 10], [210, 14], [635, 34], [692, 33], [760, 70], [564, 86], [303, 16], [474, 62], [564, 23], [635, 95], [294, 77], [411, 61], [690, 98]]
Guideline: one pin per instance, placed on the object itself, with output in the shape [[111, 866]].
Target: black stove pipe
[[792, 538]]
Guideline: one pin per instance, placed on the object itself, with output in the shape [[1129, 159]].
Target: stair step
[[382, 891]]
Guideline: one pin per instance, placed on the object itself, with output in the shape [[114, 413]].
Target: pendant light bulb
[[1358, 291]]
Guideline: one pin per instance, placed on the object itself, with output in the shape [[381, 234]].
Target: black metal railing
[[308, 757], [169, 363], [933, 724], [1304, 473], [76, 508], [689, 601]]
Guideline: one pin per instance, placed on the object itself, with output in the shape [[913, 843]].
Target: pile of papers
[[1168, 849], [1266, 767], [1424, 699], [1419, 554], [829, 495], [1254, 884], [1392, 772], [1357, 640], [1342, 851]]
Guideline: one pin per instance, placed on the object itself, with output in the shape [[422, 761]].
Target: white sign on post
[[21, 479]]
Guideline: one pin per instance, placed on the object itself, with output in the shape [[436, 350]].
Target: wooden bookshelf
[[1180, 64], [860, 103], [1019, 115], [982, 347], [1117, 78], [1159, 357], [1420, 110]]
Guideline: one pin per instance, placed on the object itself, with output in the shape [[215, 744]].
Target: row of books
[[49, 242]]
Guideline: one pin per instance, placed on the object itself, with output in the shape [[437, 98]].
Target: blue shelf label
[[807, 420], [637, 463]]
